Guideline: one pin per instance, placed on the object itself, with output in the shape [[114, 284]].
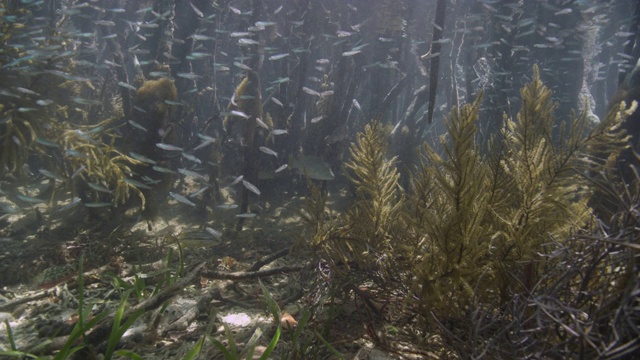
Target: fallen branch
[[269, 259]]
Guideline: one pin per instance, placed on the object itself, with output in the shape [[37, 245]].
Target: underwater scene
[[319, 179]]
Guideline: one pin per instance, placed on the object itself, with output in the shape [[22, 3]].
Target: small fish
[[29, 199], [196, 10], [357, 105], [44, 102], [251, 187], [84, 136], [142, 158], [277, 10], [26, 91], [246, 215], [322, 61], [281, 80], [47, 143], [151, 181], [51, 175], [239, 34], [351, 53], [137, 183], [83, 101], [279, 132], [104, 23], [74, 153], [100, 188], [327, 93], [173, 103], [181, 199], [277, 102], [213, 232], [235, 10], [71, 204], [191, 173], [138, 108], [268, 151], [227, 206], [169, 147], [237, 180], [137, 125], [262, 124], [191, 158], [281, 168], [189, 76], [317, 119], [163, 169], [278, 56], [310, 91], [246, 42], [79, 171], [239, 114], [199, 191], [203, 144], [98, 204], [200, 37], [242, 66], [127, 86]]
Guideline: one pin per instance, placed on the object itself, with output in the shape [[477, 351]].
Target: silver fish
[[191, 158], [213, 232], [277, 102], [181, 199], [97, 204], [192, 174], [279, 132], [246, 215], [137, 183], [310, 91], [51, 175], [137, 125], [251, 187], [100, 188], [227, 206], [71, 204], [163, 169], [268, 151], [203, 144], [142, 158], [278, 56], [29, 199], [281, 168], [169, 147], [239, 113]]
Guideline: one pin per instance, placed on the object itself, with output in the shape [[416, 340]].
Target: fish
[[268, 151], [169, 147], [74, 153], [251, 187], [84, 136], [29, 199], [191, 158], [79, 171], [262, 124], [237, 180], [137, 125], [239, 114], [242, 66], [317, 119], [100, 188], [246, 42], [279, 132], [151, 181], [277, 102], [203, 144], [198, 12], [47, 143], [191, 173], [44, 102], [278, 56], [227, 206], [173, 103], [51, 175], [142, 158], [189, 76], [98, 204], [213, 232], [240, 34], [127, 86], [181, 199], [281, 80], [281, 168], [246, 215], [351, 53], [357, 105], [137, 183], [199, 191], [310, 91], [73, 203], [83, 101], [163, 169]]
